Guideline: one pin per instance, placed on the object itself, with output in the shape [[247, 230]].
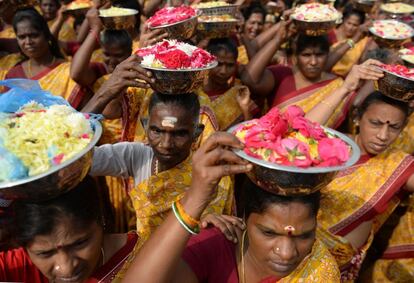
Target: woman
[[268, 250], [229, 98], [43, 60], [56, 20], [304, 84], [359, 200], [349, 42]]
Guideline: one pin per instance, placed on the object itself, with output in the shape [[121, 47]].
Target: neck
[[45, 60], [360, 145], [299, 77], [211, 85], [160, 167], [253, 269]]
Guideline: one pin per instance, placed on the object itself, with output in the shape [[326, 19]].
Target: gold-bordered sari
[[7, 62], [350, 58], [366, 191]]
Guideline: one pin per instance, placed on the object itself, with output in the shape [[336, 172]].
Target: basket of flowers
[[397, 83], [177, 67], [179, 22], [118, 18], [292, 155], [315, 19], [214, 8], [390, 33]]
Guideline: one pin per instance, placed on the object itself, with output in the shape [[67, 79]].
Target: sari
[[7, 62], [55, 79], [397, 262], [243, 57], [67, 32], [405, 140], [350, 58], [8, 33], [366, 191], [308, 97]]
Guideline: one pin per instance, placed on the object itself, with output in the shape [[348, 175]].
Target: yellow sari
[[405, 141], [8, 33], [319, 266], [350, 58], [397, 263], [363, 192], [7, 62], [67, 32], [243, 57]]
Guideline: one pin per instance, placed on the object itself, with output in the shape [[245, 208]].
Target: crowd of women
[[164, 161]]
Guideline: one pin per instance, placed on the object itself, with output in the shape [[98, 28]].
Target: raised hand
[[369, 70]]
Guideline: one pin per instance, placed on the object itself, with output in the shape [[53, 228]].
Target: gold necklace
[[29, 66]]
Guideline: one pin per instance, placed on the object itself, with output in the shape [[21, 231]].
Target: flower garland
[[290, 139], [172, 54]]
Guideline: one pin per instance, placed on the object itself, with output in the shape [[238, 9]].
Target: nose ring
[[57, 267]]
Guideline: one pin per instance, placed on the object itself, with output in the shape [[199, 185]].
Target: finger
[[221, 138], [235, 221], [373, 62], [226, 228], [220, 171], [135, 83], [220, 155]]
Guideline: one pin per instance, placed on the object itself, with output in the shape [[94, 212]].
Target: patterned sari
[[350, 58], [286, 94], [366, 191], [243, 57], [397, 262], [67, 32], [405, 141], [7, 62], [55, 79]]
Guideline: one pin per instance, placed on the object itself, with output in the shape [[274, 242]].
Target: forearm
[[158, 259], [266, 36], [324, 109], [150, 7], [336, 55], [56, 27], [98, 102], [83, 31]]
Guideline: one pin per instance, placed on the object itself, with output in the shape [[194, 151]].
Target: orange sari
[[366, 191]]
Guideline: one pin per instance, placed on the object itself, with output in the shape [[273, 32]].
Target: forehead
[[25, 26], [49, 2], [278, 216], [313, 50], [255, 17], [226, 56], [115, 48], [384, 112], [161, 111], [353, 19]]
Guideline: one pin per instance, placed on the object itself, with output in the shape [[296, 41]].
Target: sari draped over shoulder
[[350, 58], [397, 262], [7, 62], [364, 192], [67, 32], [8, 33], [55, 79], [308, 97], [320, 266], [243, 57]]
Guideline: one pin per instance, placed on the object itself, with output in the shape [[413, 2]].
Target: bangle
[[190, 221], [96, 35], [350, 43], [193, 231], [326, 103]]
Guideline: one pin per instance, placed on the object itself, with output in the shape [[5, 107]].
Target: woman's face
[[170, 133], [311, 62], [32, 42], [253, 25], [114, 54], [379, 127], [226, 68], [351, 25], [49, 9], [69, 254], [280, 238]]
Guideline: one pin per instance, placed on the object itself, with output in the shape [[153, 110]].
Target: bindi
[[169, 122], [289, 229]]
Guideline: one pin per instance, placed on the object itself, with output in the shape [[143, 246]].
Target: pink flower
[[332, 152], [174, 59], [297, 152], [275, 122], [58, 159], [307, 128], [201, 58], [292, 112]]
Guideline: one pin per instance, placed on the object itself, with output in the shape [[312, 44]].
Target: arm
[[366, 71], [151, 6], [126, 74], [80, 71], [159, 260], [409, 186], [57, 25]]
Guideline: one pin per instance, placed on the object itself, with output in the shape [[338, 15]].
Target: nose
[[313, 60], [166, 141], [382, 134], [286, 249], [64, 265]]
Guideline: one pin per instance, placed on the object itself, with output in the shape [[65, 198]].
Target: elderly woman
[[278, 245]]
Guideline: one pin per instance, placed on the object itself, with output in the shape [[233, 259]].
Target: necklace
[[29, 66], [242, 276], [155, 166]]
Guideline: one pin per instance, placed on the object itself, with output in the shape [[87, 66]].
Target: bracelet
[[190, 221], [96, 35], [194, 231], [326, 103], [350, 43]]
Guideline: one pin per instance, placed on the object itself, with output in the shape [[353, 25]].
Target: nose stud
[[57, 267]]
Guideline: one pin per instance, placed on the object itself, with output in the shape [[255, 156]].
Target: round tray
[[180, 30], [314, 28], [220, 10], [364, 5], [396, 86], [169, 81], [217, 29], [287, 180], [58, 180], [389, 41], [120, 22]]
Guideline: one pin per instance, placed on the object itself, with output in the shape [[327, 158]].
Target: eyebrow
[[391, 124], [261, 227], [84, 238]]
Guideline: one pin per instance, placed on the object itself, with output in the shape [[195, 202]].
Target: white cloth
[[124, 159]]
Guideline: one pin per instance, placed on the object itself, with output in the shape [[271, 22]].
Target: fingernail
[[149, 74]]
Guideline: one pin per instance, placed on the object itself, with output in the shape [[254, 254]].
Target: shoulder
[[15, 72]]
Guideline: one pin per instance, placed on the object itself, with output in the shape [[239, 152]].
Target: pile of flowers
[[115, 12], [290, 139], [400, 70], [211, 4], [41, 137], [79, 4], [407, 54], [171, 15], [391, 29], [217, 18], [172, 54], [316, 12], [397, 8]]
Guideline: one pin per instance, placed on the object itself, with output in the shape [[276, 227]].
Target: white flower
[[59, 110], [187, 48], [79, 124], [148, 60]]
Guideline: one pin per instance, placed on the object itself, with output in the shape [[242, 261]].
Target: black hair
[[257, 200], [118, 37], [188, 101], [254, 8], [81, 204], [351, 11], [39, 23], [378, 97], [381, 54], [304, 41], [57, 2], [215, 45]]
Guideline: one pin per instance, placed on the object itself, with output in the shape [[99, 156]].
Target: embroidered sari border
[[399, 252]]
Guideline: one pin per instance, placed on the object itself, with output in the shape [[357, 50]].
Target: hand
[[243, 98], [283, 31], [150, 37], [230, 226], [61, 15], [366, 71], [93, 19], [127, 74], [214, 160]]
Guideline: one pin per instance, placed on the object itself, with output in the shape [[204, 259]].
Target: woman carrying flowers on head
[[277, 245], [43, 62], [359, 200]]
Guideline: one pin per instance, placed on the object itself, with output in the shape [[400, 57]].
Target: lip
[[281, 267], [378, 146], [75, 278]]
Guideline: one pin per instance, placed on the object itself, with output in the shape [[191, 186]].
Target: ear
[[198, 130]]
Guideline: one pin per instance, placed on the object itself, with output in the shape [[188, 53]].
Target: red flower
[[307, 128], [292, 112], [275, 122], [332, 151], [201, 58], [174, 59]]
